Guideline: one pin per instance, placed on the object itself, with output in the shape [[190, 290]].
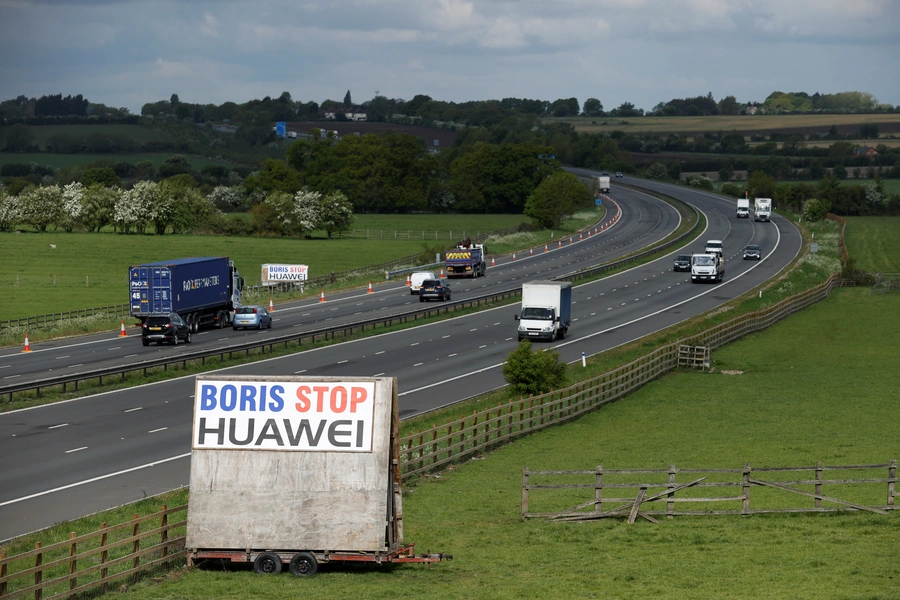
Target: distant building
[[865, 151]]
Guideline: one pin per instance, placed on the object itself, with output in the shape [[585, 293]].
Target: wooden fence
[[93, 563], [582, 494]]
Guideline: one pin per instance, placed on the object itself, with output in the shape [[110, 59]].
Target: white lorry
[[546, 310], [707, 267], [603, 185], [743, 208], [762, 209], [293, 472]]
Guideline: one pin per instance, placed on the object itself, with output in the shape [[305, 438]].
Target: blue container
[[182, 286]]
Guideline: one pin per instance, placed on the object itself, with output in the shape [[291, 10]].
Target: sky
[[126, 53]]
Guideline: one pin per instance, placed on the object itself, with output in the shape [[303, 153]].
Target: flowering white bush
[[135, 207], [307, 210], [72, 205], [41, 206], [335, 213], [226, 196], [9, 210]]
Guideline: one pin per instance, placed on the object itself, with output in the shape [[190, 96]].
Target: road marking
[[418, 364], [157, 430], [298, 372], [134, 409], [377, 374], [75, 450], [340, 362], [115, 348], [451, 355], [57, 426], [11, 376], [414, 344], [78, 365], [66, 356], [379, 352]]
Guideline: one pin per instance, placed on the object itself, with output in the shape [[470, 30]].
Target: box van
[[416, 279], [714, 247]]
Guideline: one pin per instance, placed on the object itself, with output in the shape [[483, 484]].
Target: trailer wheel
[[267, 563], [304, 565]]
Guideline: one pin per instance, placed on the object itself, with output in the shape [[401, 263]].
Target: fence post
[[745, 503], [434, 456], [670, 505], [818, 485], [135, 546], [73, 563], [598, 489], [104, 554], [524, 491], [2, 572], [38, 573], [892, 474], [164, 535]]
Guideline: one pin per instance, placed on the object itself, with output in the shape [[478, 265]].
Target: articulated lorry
[[203, 290], [546, 310], [762, 209], [466, 260], [603, 184], [295, 472], [743, 208]]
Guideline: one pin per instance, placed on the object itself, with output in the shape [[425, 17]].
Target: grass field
[[874, 243], [743, 123], [139, 133], [788, 407], [62, 161]]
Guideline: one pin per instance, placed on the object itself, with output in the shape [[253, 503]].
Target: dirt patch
[[728, 372]]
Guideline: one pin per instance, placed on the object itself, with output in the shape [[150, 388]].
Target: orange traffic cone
[[122, 330], [559, 244], [492, 261], [531, 252], [570, 240], [442, 273], [546, 248], [579, 237], [322, 297], [271, 306], [27, 347], [408, 280], [370, 288], [514, 256]]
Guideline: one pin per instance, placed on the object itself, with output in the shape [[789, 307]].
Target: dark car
[[255, 317], [619, 174], [605, 173], [682, 262], [751, 252], [165, 327], [434, 288]]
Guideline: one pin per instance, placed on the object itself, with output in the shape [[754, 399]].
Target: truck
[[743, 208], [707, 267], [762, 209], [603, 184], [201, 290], [295, 472], [546, 310], [466, 260]]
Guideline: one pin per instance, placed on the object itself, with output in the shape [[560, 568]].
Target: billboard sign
[[279, 273]]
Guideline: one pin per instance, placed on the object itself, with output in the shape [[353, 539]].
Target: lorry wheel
[[195, 324], [561, 334], [220, 320], [304, 565], [267, 563]]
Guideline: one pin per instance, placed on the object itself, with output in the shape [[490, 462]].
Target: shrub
[[533, 372]]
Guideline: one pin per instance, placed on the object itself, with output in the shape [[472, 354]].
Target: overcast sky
[[125, 53]]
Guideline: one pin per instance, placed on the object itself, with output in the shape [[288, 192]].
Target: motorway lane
[[645, 221], [458, 348]]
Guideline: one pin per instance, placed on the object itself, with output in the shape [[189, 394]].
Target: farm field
[[874, 243], [62, 161], [747, 124], [139, 133], [787, 407]]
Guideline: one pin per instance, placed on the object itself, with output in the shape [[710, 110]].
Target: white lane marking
[[57, 426], [450, 355], [59, 357], [134, 409], [418, 364], [93, 479], [340, 362], [70, 451], [156, 430], [78, 365], [379, 352], [11, 376], [298, 372], [115, 348], [377, 374]]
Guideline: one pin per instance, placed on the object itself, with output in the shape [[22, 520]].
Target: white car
[[416, 279]]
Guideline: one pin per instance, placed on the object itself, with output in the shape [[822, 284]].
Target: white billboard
[[278, 273], [323, 416]]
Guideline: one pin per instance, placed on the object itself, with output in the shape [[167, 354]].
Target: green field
[[746, 123], [788, 407], [139, 133], [62, 161], [874, 243], [91, 270]]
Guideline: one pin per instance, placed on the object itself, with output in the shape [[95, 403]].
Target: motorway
[[74, 458]]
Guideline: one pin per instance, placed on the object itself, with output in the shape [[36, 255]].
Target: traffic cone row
[[370, 288], [122, 330], [322, 297], [27, 347]]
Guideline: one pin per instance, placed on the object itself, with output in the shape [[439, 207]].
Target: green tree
[[557, 196], [335, 213], [840, 171], [592, 108], [275, 175], [657, 171], [760, 185], [533, 372], [99, 206], [347, 100], [19, 138], [105, 176]]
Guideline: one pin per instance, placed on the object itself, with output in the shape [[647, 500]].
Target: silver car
[[256, 317]]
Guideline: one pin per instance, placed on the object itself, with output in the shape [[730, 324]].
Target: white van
[[714, 247], [416, 279]]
